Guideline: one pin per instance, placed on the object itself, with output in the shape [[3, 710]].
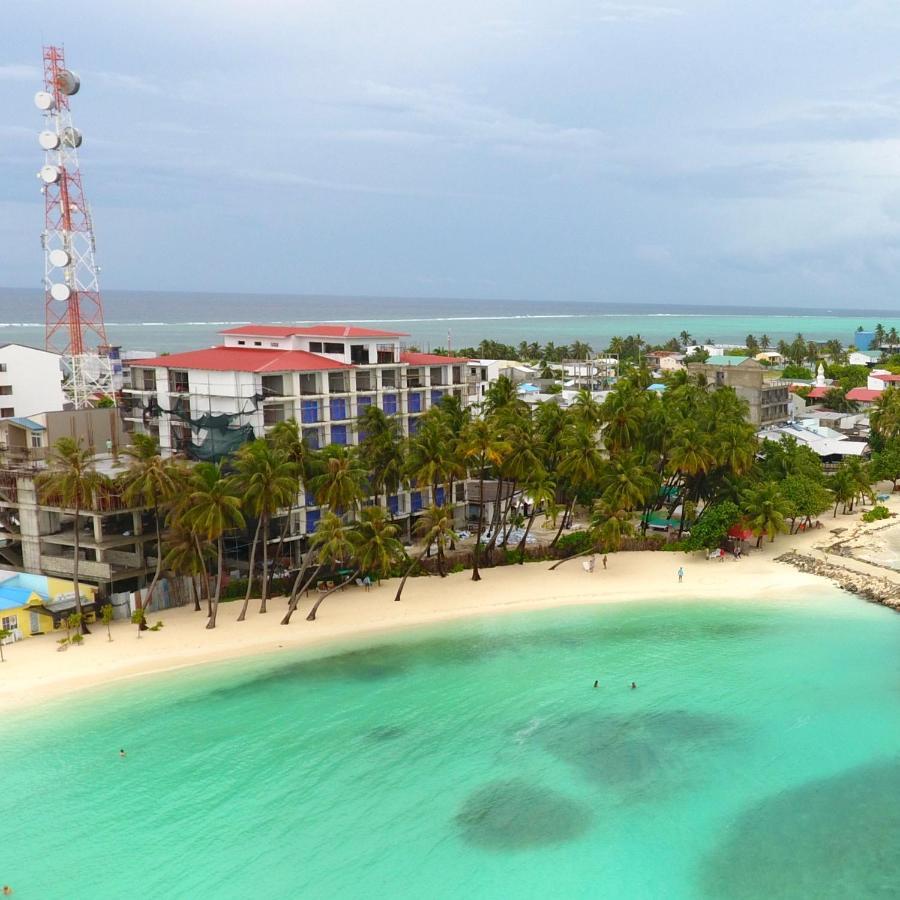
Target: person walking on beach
[[680, 574], [604, 561]]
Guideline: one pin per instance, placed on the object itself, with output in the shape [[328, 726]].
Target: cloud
[[133, 84], [447, 113], [608, 13], [21, 72]]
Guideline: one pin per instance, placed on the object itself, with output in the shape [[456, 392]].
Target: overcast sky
[[734, 152]]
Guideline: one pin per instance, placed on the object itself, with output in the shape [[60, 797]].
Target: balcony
[[272, 415], [338, 384]]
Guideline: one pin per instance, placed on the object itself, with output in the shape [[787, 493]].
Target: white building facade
[[323, 376], [30, 381]]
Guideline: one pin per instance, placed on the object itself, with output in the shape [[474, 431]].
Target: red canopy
[[741, 532]]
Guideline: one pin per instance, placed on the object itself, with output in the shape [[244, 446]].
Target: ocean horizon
[[172, 321]]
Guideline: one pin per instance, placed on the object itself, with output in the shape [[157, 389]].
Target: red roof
[[818, 392], [243, 359], [887, 377], [864, 395], [431, 359], [342, 331]]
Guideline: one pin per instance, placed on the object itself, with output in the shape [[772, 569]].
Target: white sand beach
[[34, 669]]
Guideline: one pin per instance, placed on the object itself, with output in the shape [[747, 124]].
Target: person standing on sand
[[680, 573], [604, 561]]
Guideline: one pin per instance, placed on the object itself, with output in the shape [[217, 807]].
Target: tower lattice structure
[[73, 308]]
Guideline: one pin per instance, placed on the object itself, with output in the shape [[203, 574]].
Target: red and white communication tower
[[73, 309]]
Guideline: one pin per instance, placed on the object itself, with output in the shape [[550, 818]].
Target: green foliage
[[885, 465], [806, 497], [876, 513], [575, 542], [77, 639], [156, 627], [848, 376], [106, 402], [794, 371], [456, 568], [712, 528]]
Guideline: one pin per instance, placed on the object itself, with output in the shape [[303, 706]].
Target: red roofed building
[[818, 392], [205, 403], [863, 396]]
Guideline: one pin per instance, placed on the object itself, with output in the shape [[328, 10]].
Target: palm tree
[[579, 469], [765, 342], [267, 482], [885, 415], [341, 485], [184, 557], [434, 526], [379, 549], [71, 483], [335, 544], [380, 450], [154, 481], [287, 437], [685, 338], [766, 510], [625, 482], [214, 509], [482, 447], [879, 335], [541, 488]]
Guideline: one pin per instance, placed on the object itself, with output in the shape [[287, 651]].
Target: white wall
[[35, 378]]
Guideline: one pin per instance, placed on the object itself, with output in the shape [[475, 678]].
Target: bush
[[794, 371], [574, 542], [456, 567], [876, 513]]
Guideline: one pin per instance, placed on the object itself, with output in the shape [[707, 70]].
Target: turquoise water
[[758, 757]]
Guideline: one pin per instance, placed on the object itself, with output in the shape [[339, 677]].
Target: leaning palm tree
[[214, 509], [379, 550], [267, 482], [71, 483], [335, 544], [541, 489], [342, 483], [184, 556], [434, 527], [155, 481]]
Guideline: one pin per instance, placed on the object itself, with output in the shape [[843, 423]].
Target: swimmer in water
[[596, 684], [633, 685], [122, 754]]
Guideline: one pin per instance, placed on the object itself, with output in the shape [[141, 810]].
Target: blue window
[[312, 520], [413, 427], [312, 438], [416, 498], [338, 408], [436, 397], [309, 411], [415, 403], [363, 402], [338, 434], [389, 404], [439, 496], [393, 503]]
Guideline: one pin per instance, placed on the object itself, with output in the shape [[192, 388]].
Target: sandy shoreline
[[34, 670]]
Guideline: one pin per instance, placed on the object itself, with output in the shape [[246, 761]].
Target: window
[[334, 348], [312, 520], [315, 346], [7, 412], [309, 412], [338, 408], [257, 343], [436, 397], [9, 623], [5, 390], [273, 343], [242, 343], [2, 367], [389, 404], [308, 383], [415, 403], [393, 503], [359, 354], [413, 427], [389, 378], [439, 496], [362, 403], [36, 441], [416, 498], [339, 434]]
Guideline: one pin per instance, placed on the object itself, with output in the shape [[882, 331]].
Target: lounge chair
[[364, 582]]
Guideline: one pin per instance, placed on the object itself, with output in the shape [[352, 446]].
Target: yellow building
[[36, 604]]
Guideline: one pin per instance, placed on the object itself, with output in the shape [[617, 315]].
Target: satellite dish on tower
[[71, 137], [49, 174], [49, 140], [60, 292], [68, 82], [59, 258], [44, 100]]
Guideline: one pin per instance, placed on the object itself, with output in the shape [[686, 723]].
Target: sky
[[744, 152]]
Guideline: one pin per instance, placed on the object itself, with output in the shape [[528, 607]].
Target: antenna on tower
[[73, 309]]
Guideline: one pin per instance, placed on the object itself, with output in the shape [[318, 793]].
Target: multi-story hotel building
[[205, 402]]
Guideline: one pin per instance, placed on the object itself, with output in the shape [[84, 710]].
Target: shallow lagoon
[[758, 757]]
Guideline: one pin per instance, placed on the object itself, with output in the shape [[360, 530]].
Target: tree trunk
[[75, 584], [555, 565], [406, 574], [243, 613], [495, 523], [205, 570], [312, 613], [214, 606], [567, 511], [196, 593], [440, 559], [296, 591], [476, 575], [520, 549], [279, 549], [155, 580], [265, 582], [508, 531]]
